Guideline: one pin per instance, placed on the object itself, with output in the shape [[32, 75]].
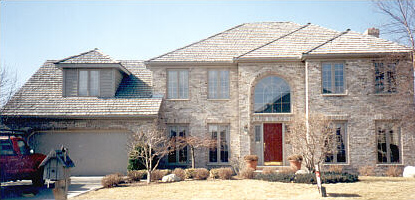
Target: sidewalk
[[24, 190]]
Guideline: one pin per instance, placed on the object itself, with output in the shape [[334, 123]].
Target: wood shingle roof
[[278, 40], [41, 96]]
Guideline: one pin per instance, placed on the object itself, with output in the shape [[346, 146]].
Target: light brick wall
[[359, 107]]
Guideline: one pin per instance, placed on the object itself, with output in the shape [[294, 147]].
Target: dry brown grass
[[367, 188]]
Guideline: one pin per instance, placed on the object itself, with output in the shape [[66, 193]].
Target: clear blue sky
[[32, 32]]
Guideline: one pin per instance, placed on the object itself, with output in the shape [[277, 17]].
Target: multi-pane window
[[339, 152], [385, 78], [388, 142], [218, 84], [88, 83], [272, 95], [178, 84], [333, 78], [220, 152], [177, 155]]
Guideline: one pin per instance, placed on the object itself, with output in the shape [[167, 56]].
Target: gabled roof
[[278, 40], [41, 96], [92, 56], [223, 47], [91, 59]]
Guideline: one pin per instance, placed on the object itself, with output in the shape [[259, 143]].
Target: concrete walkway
[[24, 190]]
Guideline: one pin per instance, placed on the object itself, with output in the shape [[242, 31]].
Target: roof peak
[[92, 56]]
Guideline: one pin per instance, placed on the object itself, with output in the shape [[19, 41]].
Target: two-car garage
[[95, 152]]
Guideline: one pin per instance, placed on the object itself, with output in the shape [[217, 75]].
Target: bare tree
[[8, 84], [401, 15], [315, 145], [194, 142], [150, 145]]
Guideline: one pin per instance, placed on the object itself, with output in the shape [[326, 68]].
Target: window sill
[[218, 99], [343, 164], [389, 164], [224, 164], [335, 95], [290, 113], [178, 99]]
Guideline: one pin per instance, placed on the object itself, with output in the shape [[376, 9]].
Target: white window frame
[[392, 126], [343, 125], [389, 78], [177, 151], [218, 143], [179, 87], [88, 82], [220, 92], [333, 78]]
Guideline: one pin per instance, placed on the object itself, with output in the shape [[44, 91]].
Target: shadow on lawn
[[342, 195]]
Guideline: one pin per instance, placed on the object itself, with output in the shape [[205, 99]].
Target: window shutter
[[71, 82]]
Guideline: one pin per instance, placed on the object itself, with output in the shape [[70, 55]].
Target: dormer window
[[91, 74], [88, 83]]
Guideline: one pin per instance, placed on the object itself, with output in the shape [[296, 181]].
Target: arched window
[[272, 95]]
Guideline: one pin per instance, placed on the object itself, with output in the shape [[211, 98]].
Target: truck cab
[[18, 161]]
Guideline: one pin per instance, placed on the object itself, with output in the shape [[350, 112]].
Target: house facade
[[241, 88]]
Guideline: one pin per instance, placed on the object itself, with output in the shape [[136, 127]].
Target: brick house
[[240, 87]]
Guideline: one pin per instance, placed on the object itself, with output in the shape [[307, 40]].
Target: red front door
[[273, 144]]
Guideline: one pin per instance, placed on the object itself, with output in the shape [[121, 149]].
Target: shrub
[[287, 170], [137, 175], [190, 173], [336, 168], [180, 173], [367, 171], [158, 174], [276, 177], [214, 173], [247, 173], [393, 171], [309, 178], [112, 180], [268, 170], [201, 174], [225, 173]]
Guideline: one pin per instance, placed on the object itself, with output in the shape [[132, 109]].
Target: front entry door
[[273, 144]]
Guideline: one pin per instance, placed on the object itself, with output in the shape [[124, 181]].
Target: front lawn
[[366, 188]]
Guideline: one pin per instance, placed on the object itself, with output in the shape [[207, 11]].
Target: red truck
[[18, 161]]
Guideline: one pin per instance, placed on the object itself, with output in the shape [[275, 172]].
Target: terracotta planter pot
[[295, 164], [251, 164]]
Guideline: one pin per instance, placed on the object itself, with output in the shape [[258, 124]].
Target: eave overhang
[[118, 66]]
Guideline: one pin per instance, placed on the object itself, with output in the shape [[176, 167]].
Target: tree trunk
[[192, 152], [148, 176]]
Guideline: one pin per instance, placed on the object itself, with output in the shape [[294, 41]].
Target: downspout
[[306, 100]]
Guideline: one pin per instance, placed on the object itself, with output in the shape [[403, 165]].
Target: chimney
[[372, 31]]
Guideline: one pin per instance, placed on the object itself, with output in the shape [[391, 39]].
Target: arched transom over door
[[272, 95]]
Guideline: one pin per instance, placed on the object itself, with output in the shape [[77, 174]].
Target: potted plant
[[295, 161], [251, 161]]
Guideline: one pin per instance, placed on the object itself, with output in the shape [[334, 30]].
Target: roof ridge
[[84, 53], [235, 27], [378, 38], [329, 40], [272, 41]]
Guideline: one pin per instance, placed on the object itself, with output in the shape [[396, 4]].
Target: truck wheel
[[37, 180]]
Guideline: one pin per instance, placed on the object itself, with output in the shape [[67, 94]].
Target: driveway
[[24, 189]]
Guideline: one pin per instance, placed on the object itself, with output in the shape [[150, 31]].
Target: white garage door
[[94, 152]]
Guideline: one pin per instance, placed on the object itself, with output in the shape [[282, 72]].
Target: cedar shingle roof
[[277, 40], [93, 56], [41, 96]]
